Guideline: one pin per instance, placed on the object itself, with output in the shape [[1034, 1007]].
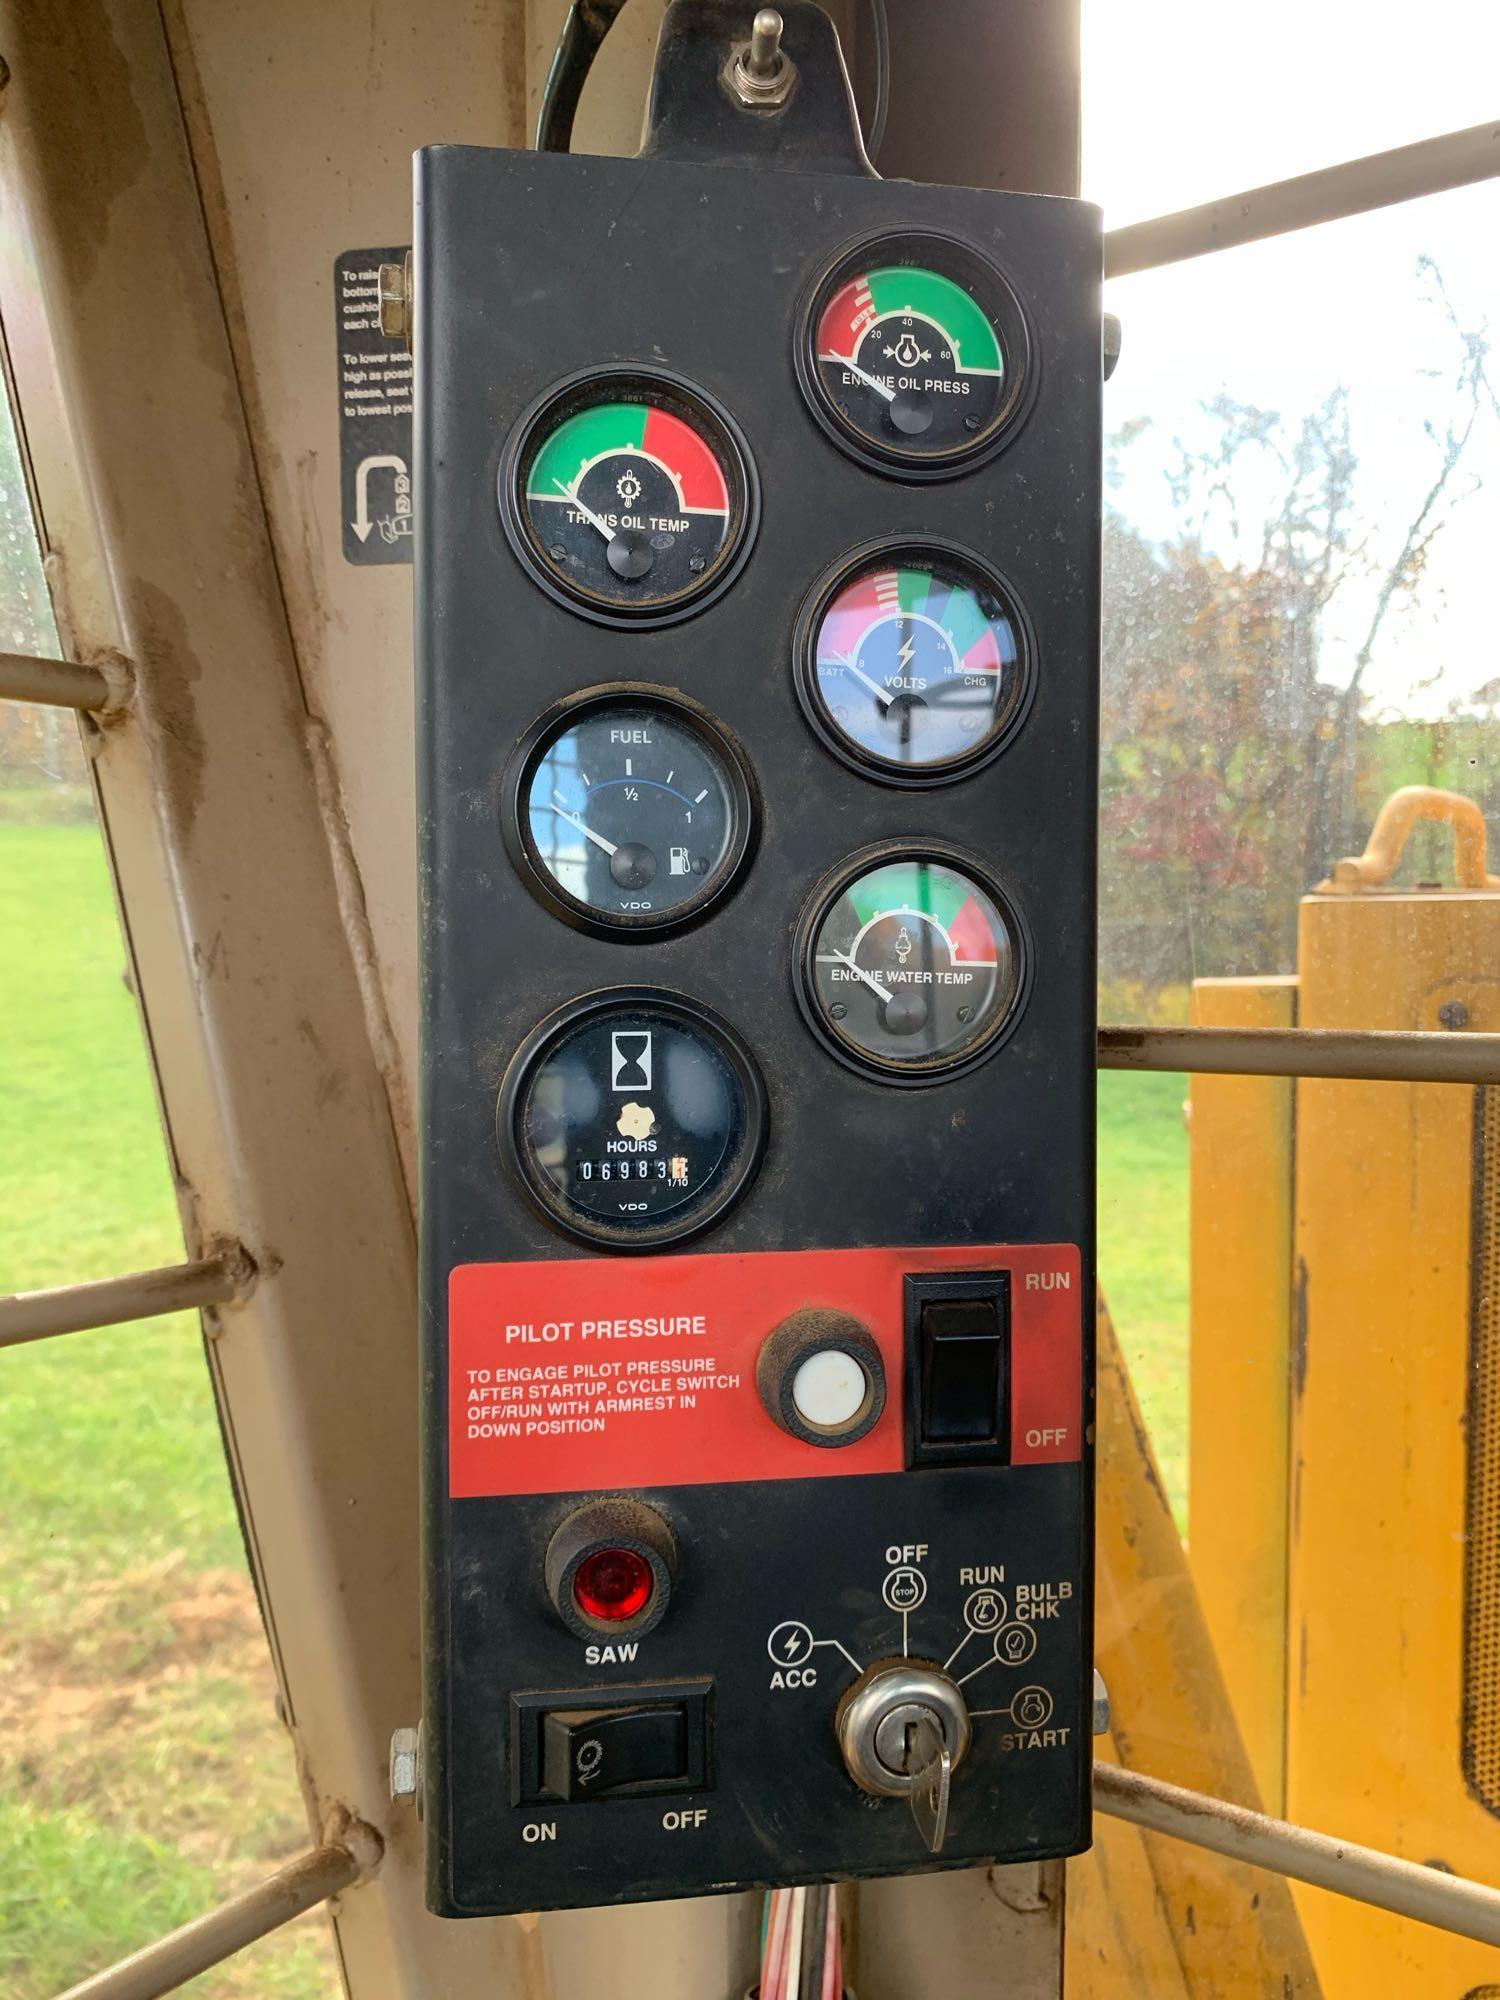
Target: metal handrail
[[1380, 1055], [1363, 1874], [208, 1940], [1432, 166], [54, 683], [208, 1281], [1410, 1888]]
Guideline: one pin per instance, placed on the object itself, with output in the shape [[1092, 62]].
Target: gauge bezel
[[920, 550], [515, 818], [804, 942], [987, 282], [624, 382], [679, 1226]]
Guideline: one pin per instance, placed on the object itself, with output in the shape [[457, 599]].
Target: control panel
[[757, 588]]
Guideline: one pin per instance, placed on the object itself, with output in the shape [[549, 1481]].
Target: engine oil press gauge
[[628, 812], [911, 964], [633, 1117], [914, 355], [914, 662], [629, 496]]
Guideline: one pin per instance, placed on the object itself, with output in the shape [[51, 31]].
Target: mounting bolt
[[760, 74], [395, 300], [406, 1765], [1453, 1014], [1110, 343]]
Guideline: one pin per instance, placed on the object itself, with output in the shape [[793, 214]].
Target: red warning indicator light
[[612, 1585]]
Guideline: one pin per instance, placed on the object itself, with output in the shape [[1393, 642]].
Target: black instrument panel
[[653, 1736]]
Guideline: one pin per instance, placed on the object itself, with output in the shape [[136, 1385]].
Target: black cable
[[584, 27], [881, 29], [814, 1943]]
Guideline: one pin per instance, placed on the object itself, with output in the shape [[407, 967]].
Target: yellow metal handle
[[1392, 828]]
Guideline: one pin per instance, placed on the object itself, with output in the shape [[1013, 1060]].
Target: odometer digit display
[[634, 1118]]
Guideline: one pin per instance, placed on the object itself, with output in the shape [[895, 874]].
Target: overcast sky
[[1186, 100]]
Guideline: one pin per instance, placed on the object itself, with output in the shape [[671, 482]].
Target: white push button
[[820, 1376], [829, 1388]]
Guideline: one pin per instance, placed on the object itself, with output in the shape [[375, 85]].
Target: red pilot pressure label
[[592, 1373]]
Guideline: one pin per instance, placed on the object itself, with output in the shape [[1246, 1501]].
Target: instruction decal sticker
[[375, 391]]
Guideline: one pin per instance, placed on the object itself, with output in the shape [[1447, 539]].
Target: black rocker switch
[[958, 1338], [590, 1753], [597, 1743]]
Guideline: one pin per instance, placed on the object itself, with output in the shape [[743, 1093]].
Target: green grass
[[1143, 1251], [143, 1774]]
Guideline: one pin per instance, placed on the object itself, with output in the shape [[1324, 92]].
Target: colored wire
[[833, 1971], [792, 1986]]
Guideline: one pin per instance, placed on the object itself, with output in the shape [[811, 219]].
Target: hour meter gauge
[[630, 496], [911, 964], [633, 1117], [914, 354], [628, 811], [913, 662]]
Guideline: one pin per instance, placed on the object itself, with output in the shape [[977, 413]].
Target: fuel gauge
[[628, 811], [912, 964]]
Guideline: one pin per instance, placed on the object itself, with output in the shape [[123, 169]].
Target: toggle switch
[[821, 1378], [957, 1359]]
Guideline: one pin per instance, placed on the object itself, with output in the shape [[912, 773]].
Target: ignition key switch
[[904, 1730]]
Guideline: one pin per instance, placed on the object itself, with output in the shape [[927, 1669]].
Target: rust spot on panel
[[94, 142], [169, 673], [1299, 1330], [332, 1080]]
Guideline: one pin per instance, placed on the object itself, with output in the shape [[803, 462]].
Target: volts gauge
[[628, 811], [912, 965], [913, 662], [633, 1118], [630, 496], [914, 354]]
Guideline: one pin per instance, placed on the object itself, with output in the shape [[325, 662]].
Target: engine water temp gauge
[[629, 496], [911, 965], [627, 812], [913, 662], [914, 355], [634, 1117]]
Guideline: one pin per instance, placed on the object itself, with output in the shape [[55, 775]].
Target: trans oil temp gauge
[[630, 496], [914, 355], [627, 813], [913, 662], [634, 1117], [911, 965]]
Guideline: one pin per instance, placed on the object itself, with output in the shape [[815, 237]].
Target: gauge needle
[[870, 381], [847, 958], [587, 831], [594, 520], [860, 675]]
